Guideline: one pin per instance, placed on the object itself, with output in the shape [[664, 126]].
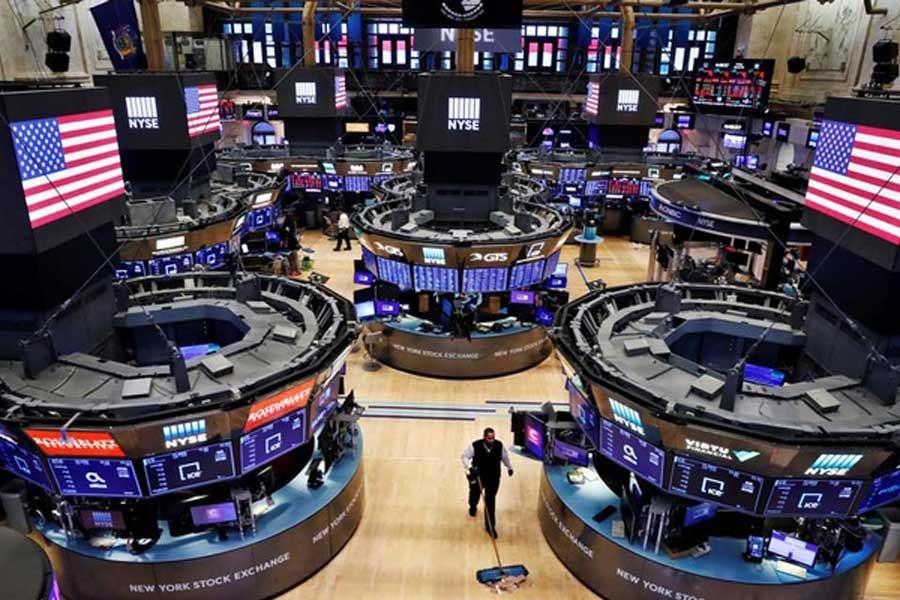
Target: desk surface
[[725, 560], [294, 503]]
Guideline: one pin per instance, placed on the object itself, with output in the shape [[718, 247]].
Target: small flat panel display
[[394, 271], [595, 187], [556, 282], [631, 452], [763, 375], [437, 279], [363, 278], [308, 182], [812, 497], [521, 297], [534, 436], [712, 483], [197, 350], [214, 514], [812, 138], [572, 175], [97, 520], [584, 413], [552, 264], [365, 311], [782, 132], [386, 308], [734, 141], [325, 403], [171, 265], [623, 99], [544, 316], [700, 513], [105, 477], [260, 218], [485, 280], [213, 256], [189, 468], [369, 261], [883, 490], [307, 92], [526, 274], [571, 453], [22, 462], [265, 444], [357, 183], [733, 86], [684, 121], [793, 549], [624, 186], [767, 128], [131, 268]]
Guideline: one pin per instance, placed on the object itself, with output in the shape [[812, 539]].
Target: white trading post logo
[[491, 257], [393, 250], [185, 434], [628, 100], [142, 112], [464, 114], [305, 92]]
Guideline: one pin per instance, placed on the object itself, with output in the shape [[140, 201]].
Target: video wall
[[741, 85], [739, 473]]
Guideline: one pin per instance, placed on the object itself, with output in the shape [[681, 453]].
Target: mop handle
[[490, 525]]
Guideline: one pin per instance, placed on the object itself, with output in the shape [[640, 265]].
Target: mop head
[[503, 579]]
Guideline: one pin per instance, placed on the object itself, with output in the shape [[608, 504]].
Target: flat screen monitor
[[684, 121], [659, 120], [555, 282], [700, 513], [768, 127], [571, 453], [624, 186], [793, 549], [883, 490], [189, 468], [328, 168], [394, 271], [595, 187], [101, 520], [534, 436], [214, 514], [572, 175], [712, 483], [436, 279], [213, 256], [812, 497], [763, 375], [734, 141], [574, 202], [131, 268], [476, 281], [325, 403], [363, 278], [812, 138], [782, 132], [544, 316], [387, 309], [333, 183], [584, 413], [365, 311], [21, 461], [171, 265], [357, 183], [521, 297], [631, 452], [198, 350], [733, 86], [264, 444], [369, 261], [103, 477], [527, 274]]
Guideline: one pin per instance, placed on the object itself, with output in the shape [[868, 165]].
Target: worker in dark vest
[[482, 461]]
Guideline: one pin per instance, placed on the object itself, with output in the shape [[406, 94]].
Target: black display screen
[[742, 84], [719, 485], [812, 497], [623, 99], [189, 468]]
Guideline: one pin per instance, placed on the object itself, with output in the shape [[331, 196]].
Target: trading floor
[[416, 539]]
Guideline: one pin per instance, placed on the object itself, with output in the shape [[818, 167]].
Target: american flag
[[855, 178], [67, 164], [592, 102], [202, 104], [340, 92]]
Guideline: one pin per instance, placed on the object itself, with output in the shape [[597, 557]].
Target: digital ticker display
[[884, 490], [265, 444], [526, 274], [393, 271], [111, 478], [22, 462], [719, 485], [812, 497], [170, 265], [485, 280], [584, 413], [189, 468], [436, 279], [638, 456]]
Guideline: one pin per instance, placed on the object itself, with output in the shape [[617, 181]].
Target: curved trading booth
[[206, 446], [684, 476], [460, 300]]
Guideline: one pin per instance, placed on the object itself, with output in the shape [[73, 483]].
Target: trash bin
[[890, 550], [14, 496]]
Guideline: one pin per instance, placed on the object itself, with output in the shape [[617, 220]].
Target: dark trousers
[[343, 235], [490, 499]]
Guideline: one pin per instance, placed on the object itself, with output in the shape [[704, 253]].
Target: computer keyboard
[[790, 569]]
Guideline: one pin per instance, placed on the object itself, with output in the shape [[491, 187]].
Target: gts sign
[[490, 257]]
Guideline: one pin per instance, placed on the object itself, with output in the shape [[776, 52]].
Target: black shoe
[[472, 511]]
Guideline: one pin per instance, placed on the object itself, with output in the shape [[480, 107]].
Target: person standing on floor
[[343, 230], [482, 459]]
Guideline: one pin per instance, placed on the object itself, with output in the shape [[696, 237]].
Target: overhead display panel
[[507, 41], [21, 461], [741, 85], [812, 497], [468, 113], [883, 490], [190, 468], [854, 183], [463, 13], [622, 99], [311, 93], [719, 485], [631, 452], [111, 478], [164, 111], [267, 443]]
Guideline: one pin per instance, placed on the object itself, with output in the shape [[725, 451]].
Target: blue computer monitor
[[521, 297], [571, 453], [700, 513]]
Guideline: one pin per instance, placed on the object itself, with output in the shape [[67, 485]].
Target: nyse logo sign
[[142, 112], [627, 417], [464, 114], [628, 100], [305, 92], [833, 465], [185, 434]]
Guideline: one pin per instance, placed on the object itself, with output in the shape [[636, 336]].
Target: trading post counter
[[405, 345], [606, 562], [297, 535]]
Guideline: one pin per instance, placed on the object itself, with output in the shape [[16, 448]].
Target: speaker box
[[59, 41], [58, 62], [885, 51], [796, 64], [885, 73]]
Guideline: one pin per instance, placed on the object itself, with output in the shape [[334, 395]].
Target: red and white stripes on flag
[[67, 164], [855, 178], [202, 104]]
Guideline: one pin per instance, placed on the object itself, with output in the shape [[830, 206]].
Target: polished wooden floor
[[416, 539]]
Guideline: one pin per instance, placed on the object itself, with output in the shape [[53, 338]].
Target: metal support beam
[[465, 51], [309, 32], [627, 39], [152, 34]]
